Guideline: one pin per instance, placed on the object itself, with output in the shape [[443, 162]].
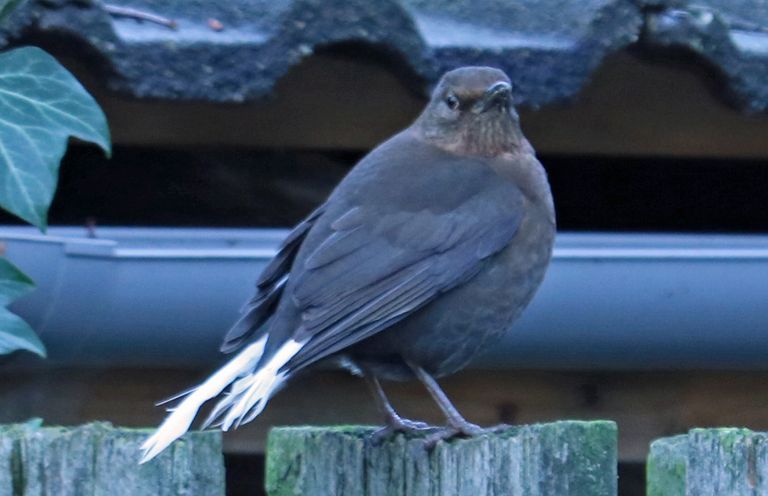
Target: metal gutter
[[164, 297]]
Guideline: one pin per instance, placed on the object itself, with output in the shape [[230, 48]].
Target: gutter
[[160, 297]]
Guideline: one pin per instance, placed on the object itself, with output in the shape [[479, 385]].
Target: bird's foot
[[459, 428], [497, 428], [399, 425]]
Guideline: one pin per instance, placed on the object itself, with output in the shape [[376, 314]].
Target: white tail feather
[[257, 388], [178, 422], [248, 396]]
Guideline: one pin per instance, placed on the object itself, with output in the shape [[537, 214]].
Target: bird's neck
[[492, 138]]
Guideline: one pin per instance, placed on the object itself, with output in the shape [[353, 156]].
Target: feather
[[178, 422], [254, 317]]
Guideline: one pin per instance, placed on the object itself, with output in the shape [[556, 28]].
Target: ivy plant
[[42, 105]]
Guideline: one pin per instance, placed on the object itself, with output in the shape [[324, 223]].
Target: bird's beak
[[498, 94]]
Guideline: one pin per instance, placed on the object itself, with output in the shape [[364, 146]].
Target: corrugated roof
[[236, 50]]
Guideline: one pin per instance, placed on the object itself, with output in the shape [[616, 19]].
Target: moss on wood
[[101, 460], [565, 458]]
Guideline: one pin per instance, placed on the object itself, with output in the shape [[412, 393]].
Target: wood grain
[[631, 106], [562, 458], [646, 405], [709, 462], [99, 460]]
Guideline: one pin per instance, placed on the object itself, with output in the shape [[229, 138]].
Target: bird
[[428, 249]]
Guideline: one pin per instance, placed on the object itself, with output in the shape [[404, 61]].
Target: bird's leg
[[457, 425], [394, 423], [452, 415]]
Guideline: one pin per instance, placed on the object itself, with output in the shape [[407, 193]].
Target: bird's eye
[[452, 102]]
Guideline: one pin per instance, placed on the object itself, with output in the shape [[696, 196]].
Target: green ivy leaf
[[41, 106], [15, 334], [13, 283], [8, 6]]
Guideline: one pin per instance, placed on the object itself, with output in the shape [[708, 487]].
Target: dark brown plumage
[[429, 248]]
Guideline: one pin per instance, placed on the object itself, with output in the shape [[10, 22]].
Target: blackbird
[[428, 249]]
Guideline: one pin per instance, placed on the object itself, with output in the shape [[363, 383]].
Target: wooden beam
[[632, 106], [562, 458], [645, 405], [100, 459], [709, 462]]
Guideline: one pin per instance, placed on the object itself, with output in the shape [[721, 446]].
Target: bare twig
[[140, 15]]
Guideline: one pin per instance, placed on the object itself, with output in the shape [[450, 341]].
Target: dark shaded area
[[659, 194], [245, 475], [151, 187], [254, 188], [631, 479]]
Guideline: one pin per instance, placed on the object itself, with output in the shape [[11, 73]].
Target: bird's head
[[471, 113]]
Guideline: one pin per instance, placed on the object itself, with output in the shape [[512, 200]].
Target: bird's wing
[[269, 288], [373, 268]]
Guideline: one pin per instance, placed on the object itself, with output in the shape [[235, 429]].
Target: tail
[[247, 396]]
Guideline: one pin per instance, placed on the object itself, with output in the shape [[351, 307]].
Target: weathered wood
[[569, 458], [646, 405], [672, 111], [100, 460], [709, 462]]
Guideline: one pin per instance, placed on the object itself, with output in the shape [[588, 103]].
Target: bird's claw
[[406, 425], [459, 429], [399, 426]]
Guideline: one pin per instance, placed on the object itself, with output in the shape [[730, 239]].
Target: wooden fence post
[[100, 460], [709, 462], [567, 458]]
